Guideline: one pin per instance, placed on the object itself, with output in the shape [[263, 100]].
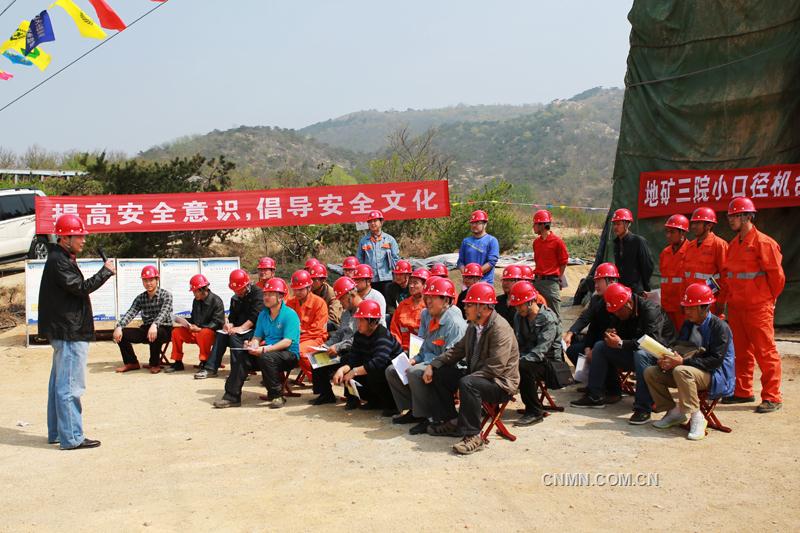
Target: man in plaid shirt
[[155, 306]]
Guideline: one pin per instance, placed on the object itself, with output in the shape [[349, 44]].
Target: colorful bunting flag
[[39, 57], [108, 18], [86, 26], [17, 39], [5, 75], [17, 59], [40, 31]]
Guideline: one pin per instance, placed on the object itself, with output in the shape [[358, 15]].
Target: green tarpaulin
[[713, 84]]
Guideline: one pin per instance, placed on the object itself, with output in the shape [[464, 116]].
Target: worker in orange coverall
[[705, 255], [670, 264]]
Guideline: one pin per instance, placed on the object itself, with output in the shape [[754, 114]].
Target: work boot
[[768, 407], [469, 444], [738, 399], [177, 366]]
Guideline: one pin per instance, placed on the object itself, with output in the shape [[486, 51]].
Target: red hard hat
[[438, 269], [69, 224], [421, 273], [342, 286], [238, 280], [363, 272], [606, 270], [741, 204], [512, 272], [677, 222], [368, 309], [311, 262], [374, 215], [527, 272], [402, 267], [474, 270], [522, 292], [350, 262], [622, 215], [266, 262], [440, 287], [698, 294], [198, 281], [149, 272], [616, 296], [276, 285], [301, 279], [480, 293], [704, 214], [319, 271], [542, 216], [479, 216]]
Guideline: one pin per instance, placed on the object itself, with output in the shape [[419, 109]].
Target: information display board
[[175, 276], [218, 270], [129, 281]]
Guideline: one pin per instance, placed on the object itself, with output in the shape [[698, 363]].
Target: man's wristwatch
[[621, 342]]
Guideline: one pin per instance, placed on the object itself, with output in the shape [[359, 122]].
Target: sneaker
[[177, 366], [277, 403], [697, 428], [587, 402], [638, 418], [224, 402], [768, 407], [205, 373], [352, 403], [529, 419], [322, 399], [445, 429], [738, 399], [419, 429], [407, 418], [670, 420], [128, 368], [468, 445]]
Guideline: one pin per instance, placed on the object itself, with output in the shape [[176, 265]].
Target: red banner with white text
[[668, 192], [247, 209]]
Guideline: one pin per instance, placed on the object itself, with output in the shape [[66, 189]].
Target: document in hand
[[352, 388], [240, 333], [182, 322], [414, 345], [653, 347], [582, 370], [401, 364], [320, 359]]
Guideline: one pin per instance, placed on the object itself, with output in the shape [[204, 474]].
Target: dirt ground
[[170, 462]]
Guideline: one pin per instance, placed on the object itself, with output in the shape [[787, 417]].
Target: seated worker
[[313, 315], [492, 374], [397, 291], [208, 315], [471, 275], [594, 316], [632, 317], [311, 263], [274, 349], [511, 275], [441, 326], [407, 316], [440, 270], [363, 279], [339, 342], [321, 287], [155, 305], [528, 275], [695, 373], [372, 351], [349, 266], [266, 271], [538, 331], [246, 303]]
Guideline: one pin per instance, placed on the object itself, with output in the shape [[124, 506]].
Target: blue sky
[[197, 65]]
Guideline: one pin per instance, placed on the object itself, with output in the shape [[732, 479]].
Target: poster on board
[[175, 276], [104, 299], [129, 281], [218, 270]]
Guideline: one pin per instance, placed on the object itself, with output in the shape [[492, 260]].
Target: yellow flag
[[17, 39], [38, 57], [84, 22]]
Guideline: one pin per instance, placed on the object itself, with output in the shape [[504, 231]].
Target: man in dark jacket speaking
[[65, 318]]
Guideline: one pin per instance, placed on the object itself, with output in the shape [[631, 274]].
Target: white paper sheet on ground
[[582, 370], [414, 345], [401, 365], [653, 347]]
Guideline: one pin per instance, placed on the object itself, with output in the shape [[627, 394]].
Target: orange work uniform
[[313, 314], [755, 279], [670, 264], [406, 320], [703, 261]]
